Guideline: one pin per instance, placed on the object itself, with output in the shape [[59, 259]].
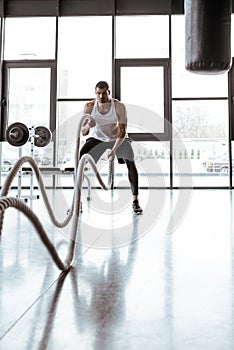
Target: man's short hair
[[102, 85]]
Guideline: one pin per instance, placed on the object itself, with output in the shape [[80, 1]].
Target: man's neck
[[104, 108]]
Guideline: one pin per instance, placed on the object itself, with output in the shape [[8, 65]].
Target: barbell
[[42, 136], [17, 134]]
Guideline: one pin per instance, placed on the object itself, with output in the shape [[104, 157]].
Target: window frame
[[165, 63], [29, 64]]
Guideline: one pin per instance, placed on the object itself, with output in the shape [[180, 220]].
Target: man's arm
[[88, 124], [122, 126]]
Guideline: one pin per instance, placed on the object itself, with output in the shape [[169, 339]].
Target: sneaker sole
[[137, 213]]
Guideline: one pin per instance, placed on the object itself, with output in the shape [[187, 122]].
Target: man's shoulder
[[116, 101], [118, 104], [90, 103], [89, 106], [120, 111]]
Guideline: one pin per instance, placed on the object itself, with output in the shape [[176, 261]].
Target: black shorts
[[96, 148]]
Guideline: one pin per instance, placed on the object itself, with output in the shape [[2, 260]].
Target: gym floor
[[163, 280]]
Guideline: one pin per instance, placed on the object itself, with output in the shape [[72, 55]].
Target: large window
[[84, 58], [142, 36], [30, 38], [69, 115], [145, 65], [142, 83], [200, 120], [28, 99], [84, 55], [186, 84], [200, 130], [142, 86], [28, 92]]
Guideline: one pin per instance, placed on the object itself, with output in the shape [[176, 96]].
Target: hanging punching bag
[[208, 36]]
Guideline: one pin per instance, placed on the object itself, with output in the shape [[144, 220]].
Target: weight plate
[[42, 136], [17, 134]]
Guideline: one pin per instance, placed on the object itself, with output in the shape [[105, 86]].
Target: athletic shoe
[[136, 208]]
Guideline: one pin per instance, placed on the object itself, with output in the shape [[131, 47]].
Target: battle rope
[[7, 202], [74, 212], [13, 173]]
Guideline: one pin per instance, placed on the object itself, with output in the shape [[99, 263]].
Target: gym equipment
[[42, 136], [74, 212], [17, 134], [22, 171], [208, 36]]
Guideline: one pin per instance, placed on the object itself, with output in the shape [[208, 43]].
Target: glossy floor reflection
[[161, 281]]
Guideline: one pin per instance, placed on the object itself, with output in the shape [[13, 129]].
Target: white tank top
[[106, 128]]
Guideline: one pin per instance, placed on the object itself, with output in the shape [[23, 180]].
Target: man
[[109, 132]]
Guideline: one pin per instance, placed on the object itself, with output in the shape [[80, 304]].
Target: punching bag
[[208, 36]]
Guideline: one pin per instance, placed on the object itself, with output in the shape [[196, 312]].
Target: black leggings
[[132, 176], [96, 148]]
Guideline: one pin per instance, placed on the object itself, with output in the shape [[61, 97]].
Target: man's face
[[102, 95]]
